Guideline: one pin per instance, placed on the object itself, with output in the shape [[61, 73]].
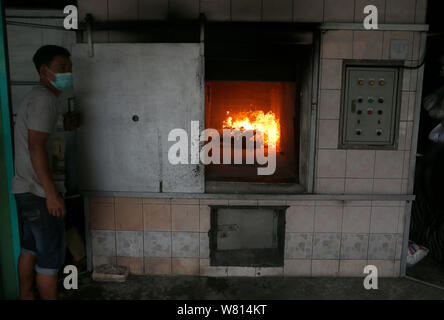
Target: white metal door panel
[[161, 84]]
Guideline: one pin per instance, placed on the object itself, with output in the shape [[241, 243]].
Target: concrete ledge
[[381, 27], [320, 197]]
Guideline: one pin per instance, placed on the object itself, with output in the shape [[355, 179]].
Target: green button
[[371, 100]]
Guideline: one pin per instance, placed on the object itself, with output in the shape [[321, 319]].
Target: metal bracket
[[89, 21], [202, 20]]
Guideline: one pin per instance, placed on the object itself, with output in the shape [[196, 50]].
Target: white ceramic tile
[[358, 186], [103, 242], [300, 219], [324, 268], [385, 267], [277, 10], [387, 186], [385, 203], [331, 163], [360, 163], [129, 243], [411, 110], [404, 106], [298, 245], [328, 219], [367, 44], [337, 44], [406, 165], [354, 246], [246, 10], [330, 185], [122, 10], [185, 244], [416, 46], [388, 164], [329, 107], [157, 244], [339, 10], [401, 220], [382, 246], [357, 203], [297, 267], [400, 11], [352, 268], [204, 245], [331, 73], [406, 74], [328, 134], [397, 35], [421, 11], [413, 78], [204, 218], [308, 11], [326, 245], [356, 219], [402, 135]]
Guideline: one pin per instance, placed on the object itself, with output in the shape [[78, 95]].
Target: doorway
[[427, 215]]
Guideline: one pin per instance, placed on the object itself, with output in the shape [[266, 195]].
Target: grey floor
[[428, 270], [187, 287]]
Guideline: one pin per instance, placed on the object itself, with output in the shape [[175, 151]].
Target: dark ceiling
[[41, 4]]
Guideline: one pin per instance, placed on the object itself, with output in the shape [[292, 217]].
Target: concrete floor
[[428, 270], [242, 288]]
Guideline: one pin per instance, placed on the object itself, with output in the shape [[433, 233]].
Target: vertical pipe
[[413, 149], [315, 93], [10, 284]]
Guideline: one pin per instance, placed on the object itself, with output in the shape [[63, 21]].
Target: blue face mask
[[63, 81]]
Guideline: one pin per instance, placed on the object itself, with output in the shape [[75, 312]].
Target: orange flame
[[267, 123]]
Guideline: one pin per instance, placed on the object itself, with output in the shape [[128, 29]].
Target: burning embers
[[255, 124], [252, 152], [255, 121]]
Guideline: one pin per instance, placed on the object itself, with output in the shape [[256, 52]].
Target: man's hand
[[56, 205], [40, 163]]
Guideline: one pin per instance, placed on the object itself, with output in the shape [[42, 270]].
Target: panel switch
[[370, 105]]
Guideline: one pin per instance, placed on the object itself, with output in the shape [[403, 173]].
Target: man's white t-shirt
[[38, 111]]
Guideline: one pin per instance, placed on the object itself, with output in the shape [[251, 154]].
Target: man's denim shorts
[[43, 235]]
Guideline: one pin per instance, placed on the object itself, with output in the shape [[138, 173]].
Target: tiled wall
[[362, 171], [323, 238], [390, 11], [23, 42]]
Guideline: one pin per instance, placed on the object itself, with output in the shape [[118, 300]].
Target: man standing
[[40, 205]]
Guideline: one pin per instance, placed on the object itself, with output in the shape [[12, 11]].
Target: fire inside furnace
[[255, 121], [260, 117]]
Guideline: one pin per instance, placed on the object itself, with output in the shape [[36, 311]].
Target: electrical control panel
[[370, 105]]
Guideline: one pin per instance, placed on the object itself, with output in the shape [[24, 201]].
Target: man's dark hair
[[46, 54]]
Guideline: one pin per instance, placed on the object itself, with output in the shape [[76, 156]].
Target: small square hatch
[[247, 236]]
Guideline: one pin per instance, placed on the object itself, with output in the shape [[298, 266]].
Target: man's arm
[[40, 163]]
